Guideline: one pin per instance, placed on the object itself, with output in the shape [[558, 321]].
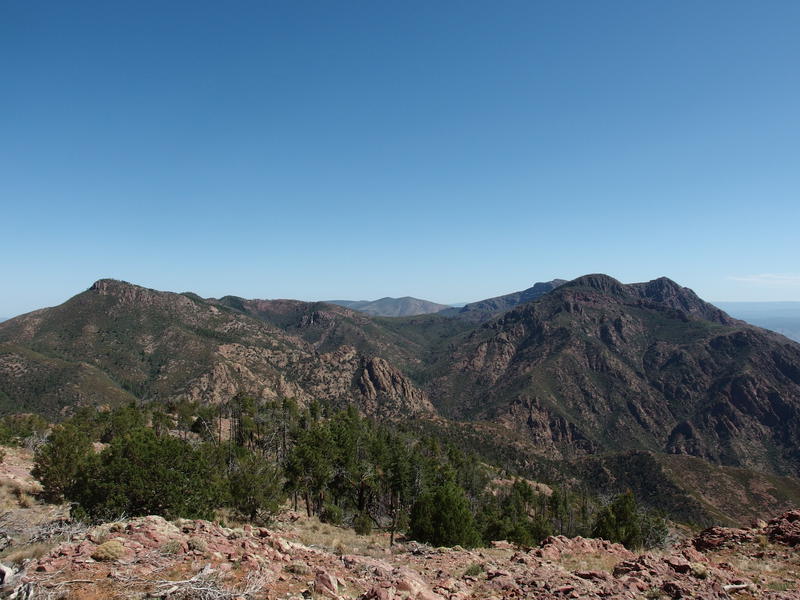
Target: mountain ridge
[[169, 346], [406, 306], [597, 361], [588, 366], [483, 310]]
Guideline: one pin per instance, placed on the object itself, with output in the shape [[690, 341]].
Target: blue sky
[[446, 150]]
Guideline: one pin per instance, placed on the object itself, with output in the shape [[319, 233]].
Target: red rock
[[678, 563], [564, 589], [785, 529], [377, 593], [325, 583], [599, 575], [676, 590], [715, 538]]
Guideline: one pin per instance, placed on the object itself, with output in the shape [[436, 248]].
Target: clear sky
[[358, 149]]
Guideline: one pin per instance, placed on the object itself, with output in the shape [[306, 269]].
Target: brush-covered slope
[[31, 382], [392, 307], [596, 365], [165, 346], [410, 343]]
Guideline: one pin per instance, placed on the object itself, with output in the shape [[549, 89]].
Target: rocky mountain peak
[[600, 282], [107, 287], [542, 287], [665, 291]]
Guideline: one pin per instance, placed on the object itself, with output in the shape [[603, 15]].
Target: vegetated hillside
[[590, 367], [410, 343], [118, 340], [392, 307], [33, 382], [730, 495], [597, 365], [491, 307]]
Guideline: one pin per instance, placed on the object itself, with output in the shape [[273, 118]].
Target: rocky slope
[[184, 559], [597, 365], [117, 341]]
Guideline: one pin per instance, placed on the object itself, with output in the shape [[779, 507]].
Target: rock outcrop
[[166, 559]]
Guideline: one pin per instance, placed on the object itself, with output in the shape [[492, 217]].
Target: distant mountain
[[783, 317], [392, 307], [486, 309]]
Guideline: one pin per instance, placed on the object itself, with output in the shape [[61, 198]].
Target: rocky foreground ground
[[152, 558]]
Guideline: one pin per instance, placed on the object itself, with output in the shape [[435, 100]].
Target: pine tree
[[256, 489], [619, 522], [58, 463], [443, 517]]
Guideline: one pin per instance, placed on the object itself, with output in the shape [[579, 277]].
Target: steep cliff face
[[137, 342], [598, 365], [389, 392]]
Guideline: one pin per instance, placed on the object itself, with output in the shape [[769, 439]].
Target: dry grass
[[778, 569], [15, 495], [598, 561], [340, 540], [19, 555]]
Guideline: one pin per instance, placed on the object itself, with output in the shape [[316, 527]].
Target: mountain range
[[392, 307], [590, 373], [478, 311]]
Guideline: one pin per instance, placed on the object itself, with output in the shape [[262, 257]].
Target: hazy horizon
[[750, 308]]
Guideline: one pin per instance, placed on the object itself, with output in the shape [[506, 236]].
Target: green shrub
[[622, 522], [442, 517], [256, 489], [618, 522], [14, 429], [362, 524], [59, 462], [141, 474], [331, 514]]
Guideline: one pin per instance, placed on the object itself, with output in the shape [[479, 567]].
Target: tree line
[[248, 458]]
